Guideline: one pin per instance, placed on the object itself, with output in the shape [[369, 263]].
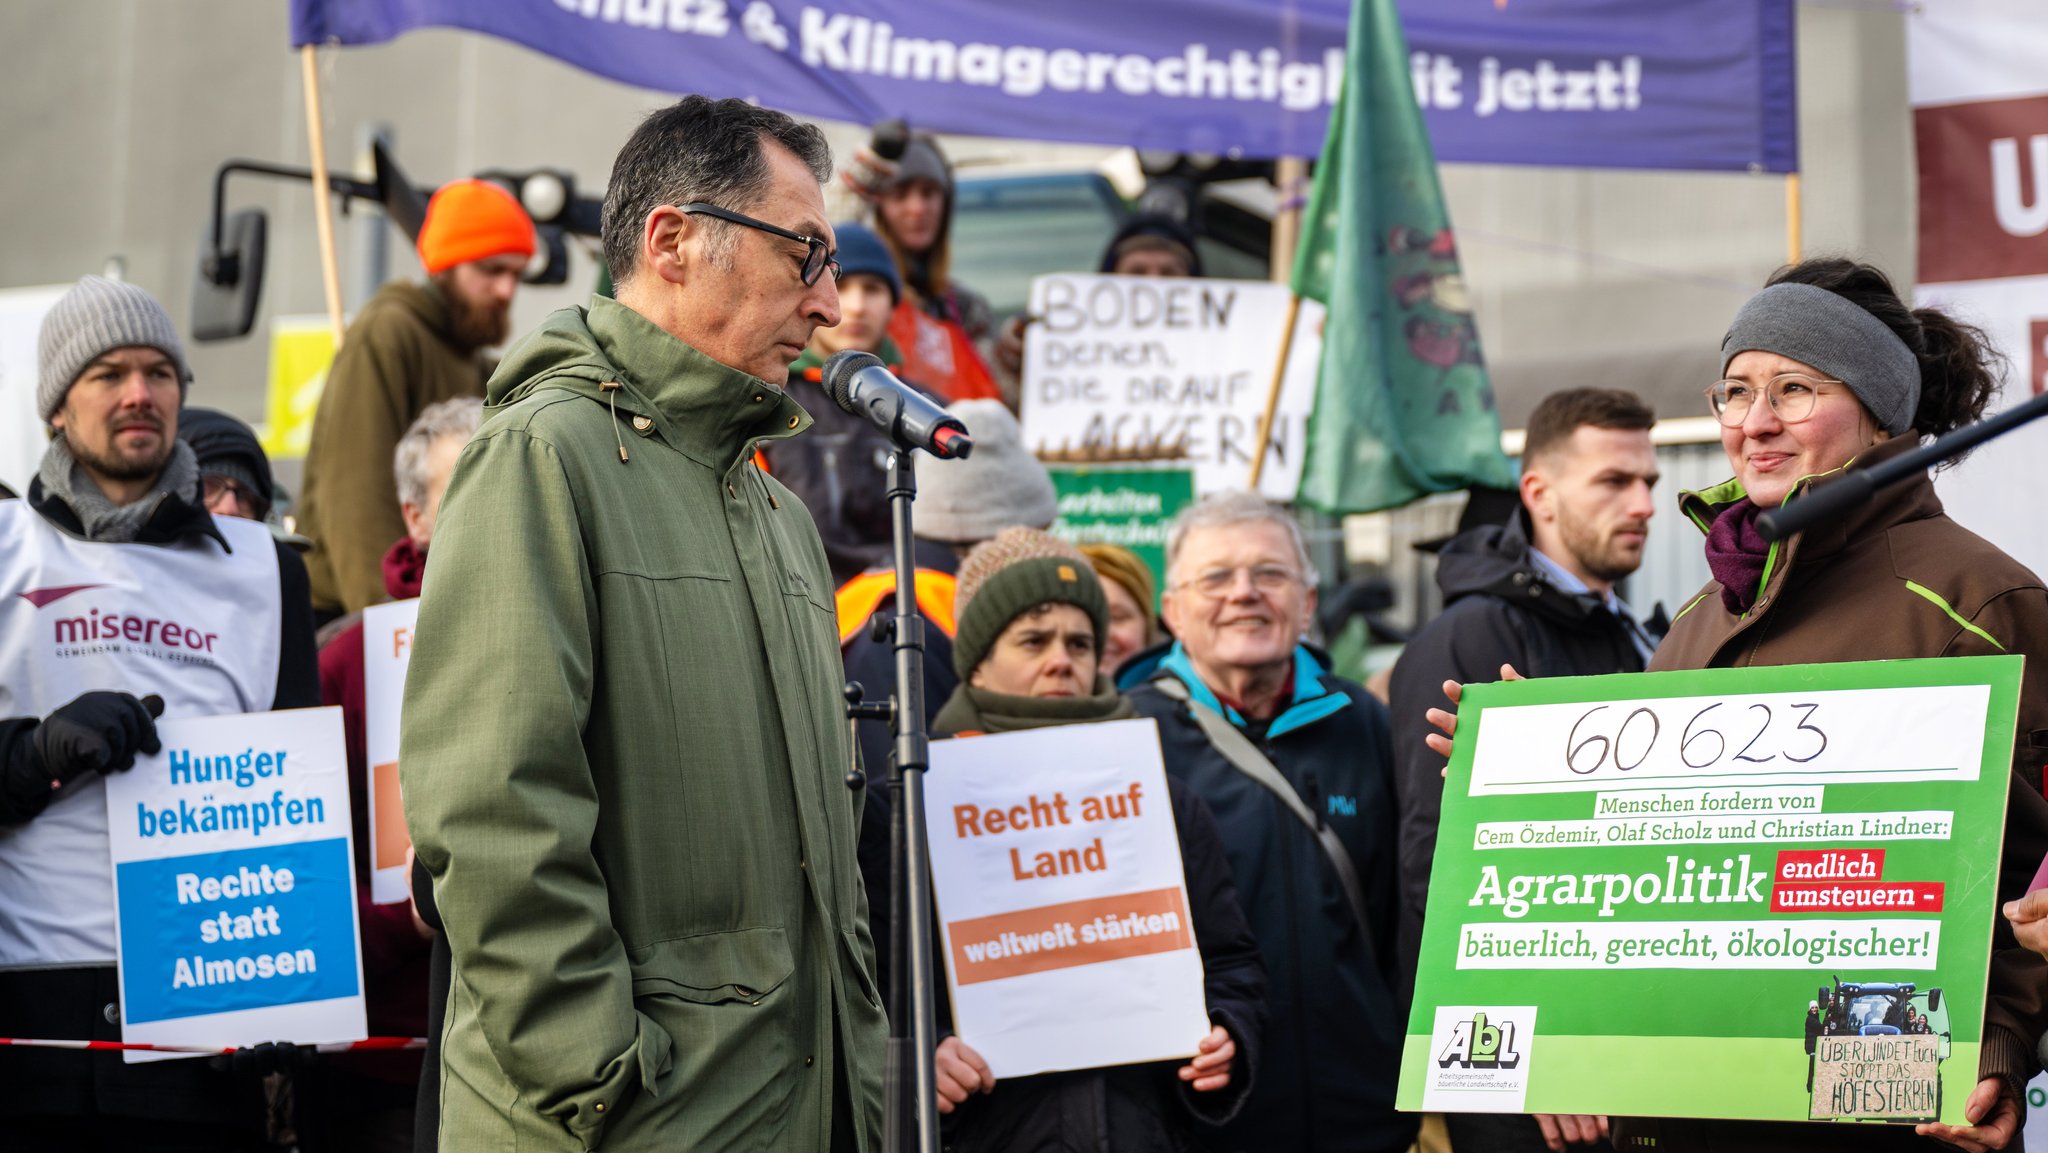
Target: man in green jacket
[[624, 747]]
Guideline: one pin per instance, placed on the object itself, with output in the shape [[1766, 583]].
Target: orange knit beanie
[[472, 220]]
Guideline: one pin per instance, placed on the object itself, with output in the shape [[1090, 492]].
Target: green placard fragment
[[1760, 893]]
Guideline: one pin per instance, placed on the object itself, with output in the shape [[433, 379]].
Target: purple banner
[[1685, 84]]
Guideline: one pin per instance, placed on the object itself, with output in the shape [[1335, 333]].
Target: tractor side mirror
[[230, 280], [1933, 999]]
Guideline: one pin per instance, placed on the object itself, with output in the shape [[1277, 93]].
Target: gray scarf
[[972, 710], [101, 519]]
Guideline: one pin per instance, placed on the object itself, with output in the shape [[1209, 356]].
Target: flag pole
[[323, 195], [1265, 437], [1289, 173], [1792, 237]]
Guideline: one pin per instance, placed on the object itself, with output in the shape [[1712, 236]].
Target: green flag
[[1403, 407]]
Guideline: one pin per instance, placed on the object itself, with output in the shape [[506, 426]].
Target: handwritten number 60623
[[1700, 744]]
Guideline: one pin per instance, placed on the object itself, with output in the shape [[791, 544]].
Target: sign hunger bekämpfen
[[234, 884], [1642, 882]]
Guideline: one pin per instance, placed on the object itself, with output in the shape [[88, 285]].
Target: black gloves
[[97, 732], [100, 731]]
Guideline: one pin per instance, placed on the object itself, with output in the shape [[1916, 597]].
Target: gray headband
[[1814, 326]]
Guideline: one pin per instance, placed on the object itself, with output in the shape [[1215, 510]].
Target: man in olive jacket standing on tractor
[[624, 748]]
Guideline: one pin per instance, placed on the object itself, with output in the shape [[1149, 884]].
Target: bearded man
[[412, 346], [1537, 594], [114, 531]]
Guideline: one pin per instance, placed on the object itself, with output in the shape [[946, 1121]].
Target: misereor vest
[[187, 621]]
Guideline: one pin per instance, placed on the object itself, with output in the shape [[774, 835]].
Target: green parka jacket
[[623, 757]]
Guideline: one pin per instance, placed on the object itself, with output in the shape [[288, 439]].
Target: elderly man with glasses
[[1297, 766], [624, 746]]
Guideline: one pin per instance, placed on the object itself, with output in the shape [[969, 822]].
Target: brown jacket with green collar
[[1896, 579]]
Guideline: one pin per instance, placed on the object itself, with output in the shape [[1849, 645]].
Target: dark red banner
[[1983, 189], [2037, 355]]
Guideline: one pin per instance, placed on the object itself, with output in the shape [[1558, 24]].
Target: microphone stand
[[859, 383], [910, 1119], [1860, 484]]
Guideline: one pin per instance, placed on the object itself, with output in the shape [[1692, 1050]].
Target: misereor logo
[[132, 627], [1475, 1044], [82, 631], [53, 594], [1479, 1059]]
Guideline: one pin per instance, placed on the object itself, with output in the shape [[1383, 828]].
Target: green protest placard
[[1122, 506], [1760, 893]]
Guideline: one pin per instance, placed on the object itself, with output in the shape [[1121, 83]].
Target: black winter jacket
[[84, 1003], [1135, 1108], [1499, 608], [1331, 1054]]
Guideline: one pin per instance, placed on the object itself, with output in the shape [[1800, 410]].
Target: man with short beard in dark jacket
[[1536, 593]]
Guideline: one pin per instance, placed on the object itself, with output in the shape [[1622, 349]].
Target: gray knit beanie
[[922, 160], [1000, 485], [97, 316]]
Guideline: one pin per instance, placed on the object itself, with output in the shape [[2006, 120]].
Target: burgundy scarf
[[1736, 552]]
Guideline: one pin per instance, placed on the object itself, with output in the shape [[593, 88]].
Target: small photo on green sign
[[1874, 1049]]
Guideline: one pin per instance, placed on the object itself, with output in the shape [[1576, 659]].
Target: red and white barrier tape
[[371, 1045]]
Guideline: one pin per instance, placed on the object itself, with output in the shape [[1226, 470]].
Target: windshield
[[1870, 1009]]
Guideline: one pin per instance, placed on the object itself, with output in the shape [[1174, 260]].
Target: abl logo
[[1477, 1045]]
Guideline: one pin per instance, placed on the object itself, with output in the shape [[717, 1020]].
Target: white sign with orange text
[[387, 653], [1063, 910]]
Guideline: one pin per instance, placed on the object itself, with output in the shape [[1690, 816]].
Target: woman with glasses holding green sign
[[1825, 369]]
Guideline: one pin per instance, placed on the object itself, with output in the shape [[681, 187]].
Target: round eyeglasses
[[1790, 395], [1217, 583]]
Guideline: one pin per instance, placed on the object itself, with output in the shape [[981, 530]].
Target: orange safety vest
[[860, 597]]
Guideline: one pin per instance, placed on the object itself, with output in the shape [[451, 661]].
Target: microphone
[[890, 139], [859, 383]]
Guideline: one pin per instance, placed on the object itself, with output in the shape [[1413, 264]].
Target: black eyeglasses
[[817, 257]]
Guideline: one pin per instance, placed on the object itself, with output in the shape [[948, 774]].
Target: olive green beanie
[[1008, 576]]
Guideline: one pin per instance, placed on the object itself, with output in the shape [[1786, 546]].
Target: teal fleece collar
[[1313, 700]]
